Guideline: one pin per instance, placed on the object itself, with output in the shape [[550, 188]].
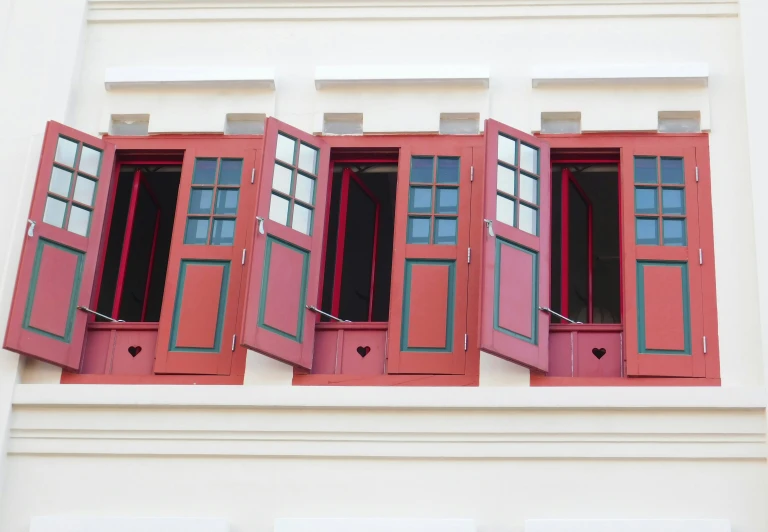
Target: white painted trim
[[127, 524], [607, 398], [374, 525], [627, 525], [205, 76], [330, 76], [696, 74]]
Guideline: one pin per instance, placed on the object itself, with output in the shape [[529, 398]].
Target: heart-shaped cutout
[[599, 353], [134, 350], [362, 351]]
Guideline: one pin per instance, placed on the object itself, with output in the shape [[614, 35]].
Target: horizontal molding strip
[[266, 10], [346, 75], [696, 74], [196, 76]]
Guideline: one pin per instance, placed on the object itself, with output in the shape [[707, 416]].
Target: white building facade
[[502, 444]]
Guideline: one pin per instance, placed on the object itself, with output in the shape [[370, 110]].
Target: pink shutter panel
[[516, 247], [61, 244], [285, 268]]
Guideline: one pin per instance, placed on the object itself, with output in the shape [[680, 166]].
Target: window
[[369, 259]]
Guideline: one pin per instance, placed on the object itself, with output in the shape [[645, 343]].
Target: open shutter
[[516, 247], [58, 260], [284, 273], [660, 261], [196, 334]]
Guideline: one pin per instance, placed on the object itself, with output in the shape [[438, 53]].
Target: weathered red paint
[[428, 306]]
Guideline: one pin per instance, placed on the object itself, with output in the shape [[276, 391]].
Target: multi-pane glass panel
[[72, 186], [294, 183], [213, 202], [517, 184], [660, 201], [433, 200]]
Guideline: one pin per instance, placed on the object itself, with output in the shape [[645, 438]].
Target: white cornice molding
[[265, 10], [346, 75], [694, 74], [189, 76]]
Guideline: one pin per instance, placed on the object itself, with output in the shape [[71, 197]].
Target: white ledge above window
[[471, 75], [696, 74], [215, 76]]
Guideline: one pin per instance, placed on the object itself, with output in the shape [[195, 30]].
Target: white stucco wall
[[497, 455]]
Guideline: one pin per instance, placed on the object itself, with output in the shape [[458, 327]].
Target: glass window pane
[[79, 220], [674, 232], [223, 233], [446, 230], [286, 148], [54, 212], [308, 158], [302, 219], [281, 180], [205, 172], [646, 201], [278, 209], [418, 230], [448, 170], [230, 172], [90, 161], [197, 231], [507, 150], [447, 200], [84, 190], [672, 171], [529, 159], [529, 189], [60, 181], [200, 200], [420, 199], [422, 169], [529, 219], [647, 231], [66, 151], [305, 189], [226, 201], [673, 201], [505, 180], [505, 210], [645, 170]]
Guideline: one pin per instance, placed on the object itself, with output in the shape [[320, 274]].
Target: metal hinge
[[243, 259], [234, 336], [253, 174], [705, 345], [701, 256], [466, 341], [469, 255], [697, 174], [471, 173]]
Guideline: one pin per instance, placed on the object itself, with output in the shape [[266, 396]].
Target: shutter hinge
[[469, 255], [705, 344], [243, 259], [697, 174], [466, 341], [701, 257], [253, 175], [471, 173], [234, 336]]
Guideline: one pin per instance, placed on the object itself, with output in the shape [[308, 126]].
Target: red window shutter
[[516, 247], [58, 259], [198, 321], [660, 260], [428, 301], [284, 273]]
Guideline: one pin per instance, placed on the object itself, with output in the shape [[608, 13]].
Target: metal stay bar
[[569, 320], [99, 314], [315, 309]]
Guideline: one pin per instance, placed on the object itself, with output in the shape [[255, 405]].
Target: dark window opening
[[358, 258], [139, 243], [586, 270]]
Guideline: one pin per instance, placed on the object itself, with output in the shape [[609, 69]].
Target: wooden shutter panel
[[660, 260], [516, 247], [284, 272], [198, 322], [62, 238]]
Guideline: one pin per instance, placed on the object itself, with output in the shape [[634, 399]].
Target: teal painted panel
[[406, 317], [641, 307], [523, 282]]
